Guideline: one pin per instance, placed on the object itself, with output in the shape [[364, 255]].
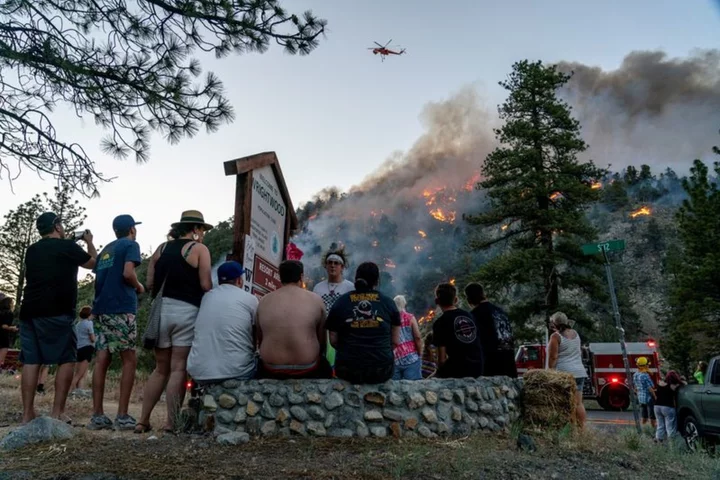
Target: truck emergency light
[[651, 343], [614, 380]]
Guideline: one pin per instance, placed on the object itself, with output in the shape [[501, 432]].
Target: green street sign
[[609, 246]]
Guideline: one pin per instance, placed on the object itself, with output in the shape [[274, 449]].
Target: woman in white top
[[565, 355]]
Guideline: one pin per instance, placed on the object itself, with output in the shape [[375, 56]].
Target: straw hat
[[192, 217]]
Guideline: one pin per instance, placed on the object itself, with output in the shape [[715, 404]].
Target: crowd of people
[[342, 329]]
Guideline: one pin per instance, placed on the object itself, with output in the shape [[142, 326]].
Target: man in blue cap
[[47, 313], [224, 344], [116, 303]]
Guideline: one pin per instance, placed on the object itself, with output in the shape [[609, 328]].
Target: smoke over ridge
[[407, 214]]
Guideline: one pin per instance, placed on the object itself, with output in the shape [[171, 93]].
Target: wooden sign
[[264, 219]]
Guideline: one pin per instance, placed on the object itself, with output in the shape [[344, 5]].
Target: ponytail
[[367, 276], [361, 285]]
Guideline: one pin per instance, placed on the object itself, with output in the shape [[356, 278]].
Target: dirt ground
[[113, 455]]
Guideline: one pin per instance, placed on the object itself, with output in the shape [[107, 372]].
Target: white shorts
[[177, 323]]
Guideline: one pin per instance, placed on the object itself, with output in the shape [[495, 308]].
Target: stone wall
[[335, 408]]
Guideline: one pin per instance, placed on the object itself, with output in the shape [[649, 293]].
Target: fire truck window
[[532, 355]]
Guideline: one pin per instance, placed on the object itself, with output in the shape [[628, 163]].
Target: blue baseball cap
[[124, 222], [229, 271]]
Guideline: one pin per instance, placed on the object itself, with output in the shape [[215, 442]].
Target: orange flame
[[641, 211], [472, 182], [439, 214], [427, 317], [422, 234], [504, 227], [452, 281], [555, 196], [596, 185], [418, 248], [390, 264]]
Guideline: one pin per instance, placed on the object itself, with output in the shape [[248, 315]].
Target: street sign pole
[[604, 248], [621, 333]]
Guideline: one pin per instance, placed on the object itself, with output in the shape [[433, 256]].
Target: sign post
[[604, 248], [264, 220]]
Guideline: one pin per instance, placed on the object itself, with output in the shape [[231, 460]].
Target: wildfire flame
[[596, 185], [443, 216], [504, 227], [641, 211], [427, 317], [389, 263], [422, 234], [472, 182], [452, 281], [375, 243], [418, 248], [555, 196]]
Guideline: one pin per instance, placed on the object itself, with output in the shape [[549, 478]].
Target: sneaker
[[125, 422], [100, 422]]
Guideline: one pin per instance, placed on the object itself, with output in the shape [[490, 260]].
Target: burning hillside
[[408, 215]]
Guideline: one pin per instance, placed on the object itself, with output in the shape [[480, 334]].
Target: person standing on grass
[[665, 405], [47, 313], [6, 326], [495, 333], [331, 289], [181, 268], [85, 347], [115, 306], [408, 360], [645, 390], [565, 355]]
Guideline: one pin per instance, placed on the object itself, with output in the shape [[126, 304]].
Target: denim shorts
[[580, 383], [48, 341]]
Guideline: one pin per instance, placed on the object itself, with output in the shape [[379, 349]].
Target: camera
[[76, 236]]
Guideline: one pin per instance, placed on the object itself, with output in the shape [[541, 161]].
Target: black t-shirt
[[51, 268], [458, 332], [6, 318], [363, 322], [494, 327], [664, 396]]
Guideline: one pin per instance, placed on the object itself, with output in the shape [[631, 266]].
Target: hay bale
[[548, 398]]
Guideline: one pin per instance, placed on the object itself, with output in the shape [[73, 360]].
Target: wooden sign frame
[[243, 168]]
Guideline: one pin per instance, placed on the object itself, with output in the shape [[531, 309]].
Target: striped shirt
[[643, 384], [406, 353]]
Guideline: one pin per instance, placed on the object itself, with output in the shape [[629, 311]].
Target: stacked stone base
[[334, 408]]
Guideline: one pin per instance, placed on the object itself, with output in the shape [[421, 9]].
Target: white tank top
[[570, 356]]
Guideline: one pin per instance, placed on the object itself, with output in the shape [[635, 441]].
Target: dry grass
[[78, 409], [548, 398]]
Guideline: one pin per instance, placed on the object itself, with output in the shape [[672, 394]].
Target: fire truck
[[605, 368]]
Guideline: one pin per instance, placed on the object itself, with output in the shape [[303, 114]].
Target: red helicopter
[[384, 51]]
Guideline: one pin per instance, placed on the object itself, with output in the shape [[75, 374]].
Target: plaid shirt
[[643, 384]]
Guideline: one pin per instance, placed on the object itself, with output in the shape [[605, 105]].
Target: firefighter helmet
[[641, 362]]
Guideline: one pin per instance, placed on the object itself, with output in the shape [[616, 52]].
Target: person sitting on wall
[[291, 329], [364, 328], [457, 336], [223, 347]]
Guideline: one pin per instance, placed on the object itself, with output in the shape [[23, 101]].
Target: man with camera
[[47, 313], [116, 303]]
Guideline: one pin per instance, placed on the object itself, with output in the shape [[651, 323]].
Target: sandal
[[142, 428]]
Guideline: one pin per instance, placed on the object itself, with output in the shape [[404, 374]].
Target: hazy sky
[[335, 115]]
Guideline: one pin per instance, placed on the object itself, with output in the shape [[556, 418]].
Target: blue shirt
[[83, 330], [113, 295], [643, 384]]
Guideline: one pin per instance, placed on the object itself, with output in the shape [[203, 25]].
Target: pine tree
[[18, 232], [691, 329], [129, 67], [539, 193]]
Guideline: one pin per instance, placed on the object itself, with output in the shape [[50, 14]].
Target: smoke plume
[[652, 109]]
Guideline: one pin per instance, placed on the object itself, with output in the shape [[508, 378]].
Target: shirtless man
[[291, 329]]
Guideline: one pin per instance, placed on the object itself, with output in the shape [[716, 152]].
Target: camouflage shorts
[[115, 332]]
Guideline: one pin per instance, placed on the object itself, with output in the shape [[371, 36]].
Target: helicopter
[[384, 51]]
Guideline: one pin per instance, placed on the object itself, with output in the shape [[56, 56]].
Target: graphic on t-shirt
[[106, 261], [503, 329], [465, 329], [364, 315]]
